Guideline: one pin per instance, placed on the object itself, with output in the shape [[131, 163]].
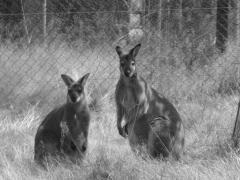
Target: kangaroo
[[64, 131], [152, 125]]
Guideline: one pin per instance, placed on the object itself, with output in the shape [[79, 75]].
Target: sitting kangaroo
[[64, 131], [152, 122]]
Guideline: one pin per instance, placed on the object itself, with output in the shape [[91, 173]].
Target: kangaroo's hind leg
[[159, 141], [178, 146], [47, 148]]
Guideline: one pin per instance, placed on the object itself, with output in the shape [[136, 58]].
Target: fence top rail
[[113, 11]]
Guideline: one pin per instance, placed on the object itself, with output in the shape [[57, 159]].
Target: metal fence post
[[236, 130]]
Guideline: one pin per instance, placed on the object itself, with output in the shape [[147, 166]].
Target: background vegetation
[[178, 58]]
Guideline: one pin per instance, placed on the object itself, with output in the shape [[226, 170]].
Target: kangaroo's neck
[[76, 109], [130, 81]]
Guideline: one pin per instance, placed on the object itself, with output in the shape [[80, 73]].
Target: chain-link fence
[[179, 55]]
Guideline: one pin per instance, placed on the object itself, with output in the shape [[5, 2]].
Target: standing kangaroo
[[152, 122], [64, 131]]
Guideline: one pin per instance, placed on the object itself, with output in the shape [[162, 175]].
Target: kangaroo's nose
[[127, 72]]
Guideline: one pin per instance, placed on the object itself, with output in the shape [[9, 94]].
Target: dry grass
[[208, 117], [207, 155]]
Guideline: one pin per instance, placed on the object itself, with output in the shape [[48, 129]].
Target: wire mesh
[[178, 57]]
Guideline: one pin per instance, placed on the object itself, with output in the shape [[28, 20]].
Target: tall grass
[[208, 153]]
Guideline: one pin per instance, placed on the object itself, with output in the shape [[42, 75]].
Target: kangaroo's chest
[[78, 124], [129, 99], [134, 100]]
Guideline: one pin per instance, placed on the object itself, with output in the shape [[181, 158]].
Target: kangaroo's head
[[75, 88], [127, 61]]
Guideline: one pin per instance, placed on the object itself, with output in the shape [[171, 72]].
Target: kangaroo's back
[[52, 121], [161, 106], [167, 131]]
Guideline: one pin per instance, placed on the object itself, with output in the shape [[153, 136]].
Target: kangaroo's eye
[[122, 63], [133, 63]]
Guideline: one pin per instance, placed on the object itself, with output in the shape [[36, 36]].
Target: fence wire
[[178, 56]]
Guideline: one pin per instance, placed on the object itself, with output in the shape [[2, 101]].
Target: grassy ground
[[208, 116], [207, 154]]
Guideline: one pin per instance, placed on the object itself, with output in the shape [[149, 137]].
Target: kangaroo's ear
[[67, 80], [83, 80], [134, 51], [119, 51]]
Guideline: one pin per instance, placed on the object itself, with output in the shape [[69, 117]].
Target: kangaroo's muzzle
[[128, 73], [73, 97]]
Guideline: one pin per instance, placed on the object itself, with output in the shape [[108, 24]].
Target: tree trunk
[[238, 22], [236, 130], [180, 16], [136, 8], [25, 23], [135, 30], [44, 19], [168, 20], [222, 24], [155, 14]]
